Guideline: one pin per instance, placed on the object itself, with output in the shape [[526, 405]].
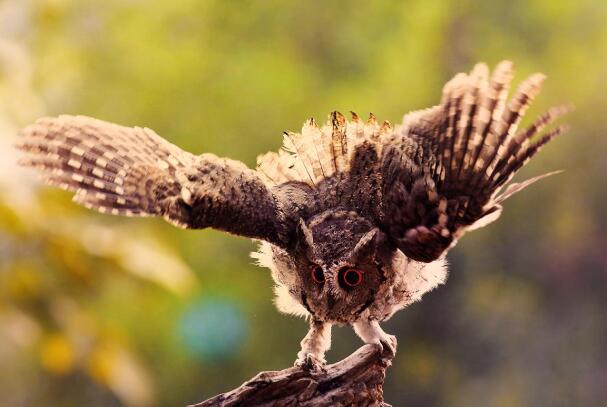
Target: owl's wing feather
[[444, 167], [134, 172]]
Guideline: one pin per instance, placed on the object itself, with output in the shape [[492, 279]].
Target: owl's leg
[[314, 345], [370, 332]]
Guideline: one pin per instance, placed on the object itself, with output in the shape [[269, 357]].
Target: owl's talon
[[310, 363], [371, 332], [388, 345]]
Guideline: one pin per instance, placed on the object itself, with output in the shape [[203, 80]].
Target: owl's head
[[336, 266]]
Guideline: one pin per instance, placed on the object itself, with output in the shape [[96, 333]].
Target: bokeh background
[[104, 311]]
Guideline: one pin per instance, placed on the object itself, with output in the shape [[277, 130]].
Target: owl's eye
[[317, 274], [351, 277]]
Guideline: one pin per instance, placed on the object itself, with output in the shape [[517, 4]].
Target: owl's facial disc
[[341, 293], [342, 271]]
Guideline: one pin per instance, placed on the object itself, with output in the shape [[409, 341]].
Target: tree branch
[[355, 380]]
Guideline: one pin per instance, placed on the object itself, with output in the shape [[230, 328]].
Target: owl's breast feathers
[[426, 181]]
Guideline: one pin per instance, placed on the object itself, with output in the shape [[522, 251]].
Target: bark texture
[[356, 380]]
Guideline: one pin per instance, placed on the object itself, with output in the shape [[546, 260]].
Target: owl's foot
[[313, 347], [310, 362], [371, 332], [387, 344]]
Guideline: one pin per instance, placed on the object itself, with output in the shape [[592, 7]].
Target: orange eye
[[351, 277], [317, 274]]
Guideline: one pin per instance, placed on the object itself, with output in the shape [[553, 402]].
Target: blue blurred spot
[[213, 329]]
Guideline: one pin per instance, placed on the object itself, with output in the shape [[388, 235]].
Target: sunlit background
[[103, 311]]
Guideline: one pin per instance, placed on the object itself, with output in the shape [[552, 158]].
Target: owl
[[354, 218]]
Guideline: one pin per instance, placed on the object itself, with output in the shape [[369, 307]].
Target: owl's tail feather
[[111, 168], [478, 148], [317, 152]]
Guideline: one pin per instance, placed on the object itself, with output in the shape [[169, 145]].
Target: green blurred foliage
[[92, 308]]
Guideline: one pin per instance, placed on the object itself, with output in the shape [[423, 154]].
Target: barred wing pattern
[[134, 172], [426, 182], [444, 167]]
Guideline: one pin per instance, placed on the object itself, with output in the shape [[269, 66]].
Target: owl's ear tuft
[[366, 247], [305, 238]]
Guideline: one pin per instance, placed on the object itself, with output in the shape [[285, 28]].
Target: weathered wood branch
[[356, 380]]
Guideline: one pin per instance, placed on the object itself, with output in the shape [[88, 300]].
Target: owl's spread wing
[[134, 172], [444, 167]]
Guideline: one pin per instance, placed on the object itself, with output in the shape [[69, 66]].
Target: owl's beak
[[330, 300]]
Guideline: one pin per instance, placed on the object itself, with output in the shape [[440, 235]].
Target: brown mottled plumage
[[355, 217]]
